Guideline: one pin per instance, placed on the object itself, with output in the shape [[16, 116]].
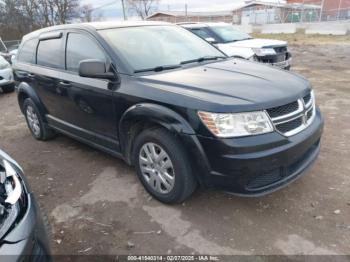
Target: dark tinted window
[[50, 53], [27, 52], [81, 47], [201, 33]]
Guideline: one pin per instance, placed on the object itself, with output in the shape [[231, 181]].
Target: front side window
[[27, 52], [50, 53], [81, 47], [153, 46], [229, 33]]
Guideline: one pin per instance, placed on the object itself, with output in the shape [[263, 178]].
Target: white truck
[[241, 45]]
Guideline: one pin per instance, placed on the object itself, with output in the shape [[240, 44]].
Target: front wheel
[[163, 166], [35, 122]]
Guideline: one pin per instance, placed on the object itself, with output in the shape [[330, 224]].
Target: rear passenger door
[[50, 63], [88, 107]]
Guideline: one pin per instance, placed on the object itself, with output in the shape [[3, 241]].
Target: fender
[[26, 91], [170, 120], [152, 113]]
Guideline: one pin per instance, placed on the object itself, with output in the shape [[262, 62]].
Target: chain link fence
[[292, 16], [265, 16]]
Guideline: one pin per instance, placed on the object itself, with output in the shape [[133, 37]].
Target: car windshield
[[158, 47], [229, 33]]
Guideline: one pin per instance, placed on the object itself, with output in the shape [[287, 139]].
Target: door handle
[[64, 84], [30, 75]]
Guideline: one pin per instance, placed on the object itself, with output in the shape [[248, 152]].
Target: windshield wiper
[[157, 68], [201, 59]]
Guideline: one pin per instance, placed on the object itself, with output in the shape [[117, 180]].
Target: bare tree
[[143, 8], [18, 17]]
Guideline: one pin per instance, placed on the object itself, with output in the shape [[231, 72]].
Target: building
[[261, 12], [331, 9], [183, 16]]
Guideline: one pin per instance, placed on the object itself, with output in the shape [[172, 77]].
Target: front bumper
[[257, 165], [284, 64], [282, 61], [28, 240]]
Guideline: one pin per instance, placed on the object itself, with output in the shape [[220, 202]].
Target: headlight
[[238, 124], [264, 51], [10, 196]]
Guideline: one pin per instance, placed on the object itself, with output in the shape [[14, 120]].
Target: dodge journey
[[170, 104]]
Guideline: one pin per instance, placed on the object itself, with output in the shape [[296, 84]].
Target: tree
[[143, 8], [19, 17]]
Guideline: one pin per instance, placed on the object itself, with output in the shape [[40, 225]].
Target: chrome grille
[[294, 117], [283, 110]]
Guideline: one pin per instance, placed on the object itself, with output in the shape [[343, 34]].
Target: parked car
[[22, 230], [241, 45], [13, 54], [4, 52], [171, 104], [7, 83]]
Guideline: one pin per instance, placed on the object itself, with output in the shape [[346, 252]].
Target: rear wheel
[[35, 122], [8, 88], [163, 166]]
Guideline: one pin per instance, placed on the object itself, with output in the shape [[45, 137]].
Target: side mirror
[[94, 68], [210, 40]]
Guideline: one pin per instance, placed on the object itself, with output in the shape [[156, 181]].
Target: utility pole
[[124, 13], [339, 7], [321, 12]]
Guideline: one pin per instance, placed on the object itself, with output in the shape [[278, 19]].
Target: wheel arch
[[148, 115], [26, 91]]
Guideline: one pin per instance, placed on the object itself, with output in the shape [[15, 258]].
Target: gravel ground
[[97, 206]]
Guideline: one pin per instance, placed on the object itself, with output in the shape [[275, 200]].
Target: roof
[[95, 26], [183, 13]]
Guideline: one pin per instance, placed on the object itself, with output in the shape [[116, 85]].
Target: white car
[[241, 45], [7, 83], [13, 54]]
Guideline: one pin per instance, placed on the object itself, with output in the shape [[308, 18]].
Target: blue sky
[[112, 8]]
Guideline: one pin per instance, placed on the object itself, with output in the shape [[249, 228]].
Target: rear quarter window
[[27, 52], [50, 53]]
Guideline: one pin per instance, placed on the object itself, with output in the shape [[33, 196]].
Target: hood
[[229, 86], [257, 43]]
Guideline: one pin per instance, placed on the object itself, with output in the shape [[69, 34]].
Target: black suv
[[171, 104]]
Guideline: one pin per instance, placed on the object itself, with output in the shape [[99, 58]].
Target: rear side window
[[50, 53], [81, 47], [27, 52], [201, 33]]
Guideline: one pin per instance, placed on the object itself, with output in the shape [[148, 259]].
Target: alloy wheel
[[157, 168], [33, 120]]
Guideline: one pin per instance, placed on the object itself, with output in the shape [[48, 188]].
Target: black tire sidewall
[[8, 88], [29, 102], [180, 161]]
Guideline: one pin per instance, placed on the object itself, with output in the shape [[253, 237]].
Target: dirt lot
[[96, 205]]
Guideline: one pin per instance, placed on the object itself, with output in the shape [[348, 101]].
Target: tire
[[8, 88], [171, 180], [36, 125]]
